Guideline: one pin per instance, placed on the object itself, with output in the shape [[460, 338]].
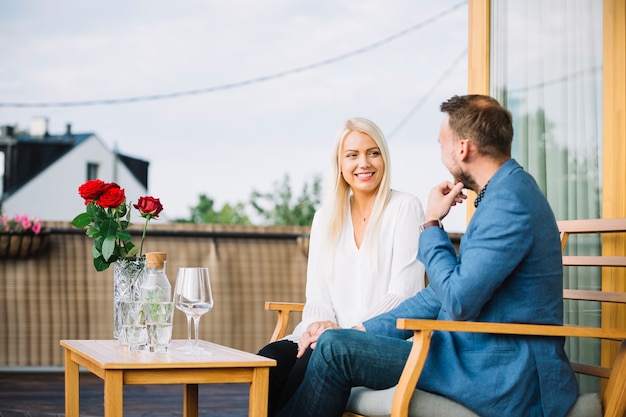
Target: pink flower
[[26, 224], [20, 224]]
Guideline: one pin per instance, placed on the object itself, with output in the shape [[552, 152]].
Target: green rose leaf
[[100, 264], [123, 235], [95, 252], [109, 228], [93, 209], [93, 231], [82, 220], [108, 247], [133, 251]]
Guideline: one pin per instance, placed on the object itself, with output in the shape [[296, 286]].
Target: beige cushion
[[373, 403], [587, 405]]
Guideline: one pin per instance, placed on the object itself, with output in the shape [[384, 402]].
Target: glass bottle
[[156, 287]]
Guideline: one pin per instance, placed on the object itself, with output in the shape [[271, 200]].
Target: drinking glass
[[192, 296], [180, 305], [159, 317], [133, 325]]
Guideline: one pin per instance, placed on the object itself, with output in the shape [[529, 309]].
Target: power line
[[425, 97], [256, 80]]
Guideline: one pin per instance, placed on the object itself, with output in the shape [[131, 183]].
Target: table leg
[[72, 386], [259, 389], [113, 393], [190, 402]]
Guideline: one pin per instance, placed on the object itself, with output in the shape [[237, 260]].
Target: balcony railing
[[58, 294]]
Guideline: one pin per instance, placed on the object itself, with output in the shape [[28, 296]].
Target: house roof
[[29, 156]]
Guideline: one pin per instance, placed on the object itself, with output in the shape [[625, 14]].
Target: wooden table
[[117, 366]]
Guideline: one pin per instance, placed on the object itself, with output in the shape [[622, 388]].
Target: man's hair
[[482, 120]]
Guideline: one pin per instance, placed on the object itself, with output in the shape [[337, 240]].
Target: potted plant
[[21, 236]]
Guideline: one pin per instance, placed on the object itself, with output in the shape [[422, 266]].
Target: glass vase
[[127, 279]]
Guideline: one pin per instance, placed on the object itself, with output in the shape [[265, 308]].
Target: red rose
[[92, 190], [149, 206], [112, 197]]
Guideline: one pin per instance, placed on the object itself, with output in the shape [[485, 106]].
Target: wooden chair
[[610, 403]]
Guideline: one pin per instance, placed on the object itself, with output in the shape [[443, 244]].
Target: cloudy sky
[[224, 97]]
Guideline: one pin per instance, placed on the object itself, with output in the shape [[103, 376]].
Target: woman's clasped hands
[[312, 333]]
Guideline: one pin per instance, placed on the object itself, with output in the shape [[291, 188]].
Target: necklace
[[357, 211]]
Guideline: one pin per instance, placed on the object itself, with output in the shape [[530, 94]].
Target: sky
[[226, 97]]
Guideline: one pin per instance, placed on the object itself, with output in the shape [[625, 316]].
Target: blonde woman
[[362, 252]]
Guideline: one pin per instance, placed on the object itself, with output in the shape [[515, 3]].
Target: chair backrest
[[605, 228]]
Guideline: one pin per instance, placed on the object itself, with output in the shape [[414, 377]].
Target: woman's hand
[[312, 333]]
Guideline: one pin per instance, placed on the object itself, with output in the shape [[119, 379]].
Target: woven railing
[[58, 294]]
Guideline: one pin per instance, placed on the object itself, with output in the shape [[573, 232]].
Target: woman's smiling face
[[362, 165]]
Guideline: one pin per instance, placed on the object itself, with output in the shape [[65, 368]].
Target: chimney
[[68, 129], [38, 127], [8, 131]]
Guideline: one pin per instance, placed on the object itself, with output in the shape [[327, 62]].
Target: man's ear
[[465, 148]]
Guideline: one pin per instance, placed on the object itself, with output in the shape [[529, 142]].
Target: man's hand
[[442, 198], [312, 333]]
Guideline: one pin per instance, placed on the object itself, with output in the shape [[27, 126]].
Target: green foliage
[[279, 207], [206, 213], [107, 226], [107, 216], [275, 208]]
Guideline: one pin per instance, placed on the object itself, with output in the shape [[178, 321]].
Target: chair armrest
[[284, 309], [512, 328], [421, 344]]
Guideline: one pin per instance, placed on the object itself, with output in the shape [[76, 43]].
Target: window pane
[[92, 170], [546, 67]]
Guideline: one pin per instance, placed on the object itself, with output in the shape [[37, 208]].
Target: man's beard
[[466, 179]]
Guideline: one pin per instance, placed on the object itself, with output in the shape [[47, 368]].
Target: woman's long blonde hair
[[337, 191]]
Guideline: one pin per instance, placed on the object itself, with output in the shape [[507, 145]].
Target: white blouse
[[353, 291]]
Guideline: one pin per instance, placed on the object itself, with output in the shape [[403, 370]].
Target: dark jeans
[[286, 376], [341, 360]]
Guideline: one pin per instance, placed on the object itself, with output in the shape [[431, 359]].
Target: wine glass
[[182, 306], [192, 296]]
